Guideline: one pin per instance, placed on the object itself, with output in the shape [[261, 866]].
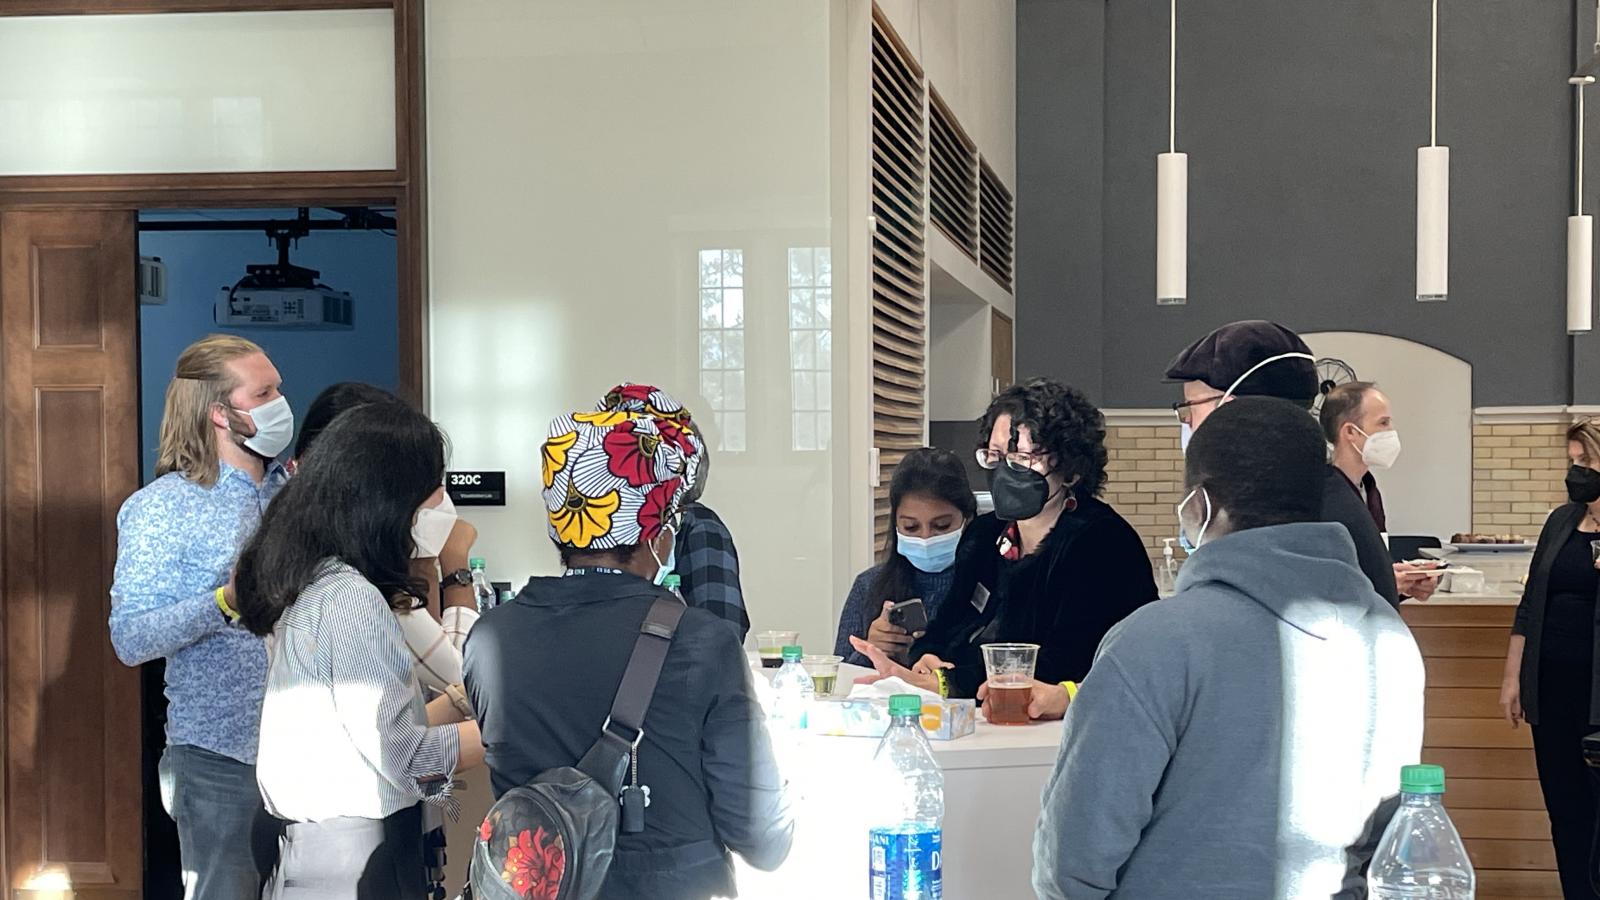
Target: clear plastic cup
[[770, 644], [824, 672], [1010, 670]]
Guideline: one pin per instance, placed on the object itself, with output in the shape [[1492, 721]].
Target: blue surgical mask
[[932, 555], [663, 569], [1183, 534]]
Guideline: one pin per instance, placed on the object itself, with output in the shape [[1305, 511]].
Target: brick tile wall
[[1517, 478], [1144, 479], [1518, 474]]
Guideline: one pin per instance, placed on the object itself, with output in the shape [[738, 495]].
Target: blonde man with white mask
[[224, 423]]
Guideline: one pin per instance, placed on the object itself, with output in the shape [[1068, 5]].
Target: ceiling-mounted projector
[[280, 296]]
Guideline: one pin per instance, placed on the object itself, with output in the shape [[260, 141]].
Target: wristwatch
[[458, 578]]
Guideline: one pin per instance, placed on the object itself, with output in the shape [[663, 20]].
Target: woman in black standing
[[1550, 675], [1053, 565]]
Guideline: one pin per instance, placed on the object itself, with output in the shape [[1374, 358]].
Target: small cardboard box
[[942, 720]]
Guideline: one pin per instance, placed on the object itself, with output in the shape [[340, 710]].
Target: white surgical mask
[[1185, 435], [1183, 535], [274, 422], [665, 567], [432, 529], [1381, 450]]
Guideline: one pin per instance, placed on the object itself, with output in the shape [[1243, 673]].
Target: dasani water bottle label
[[907, 864]]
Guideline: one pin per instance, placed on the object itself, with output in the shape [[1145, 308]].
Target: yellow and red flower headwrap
[[615, 478]]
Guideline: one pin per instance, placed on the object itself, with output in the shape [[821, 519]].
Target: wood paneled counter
[[1492, 790]]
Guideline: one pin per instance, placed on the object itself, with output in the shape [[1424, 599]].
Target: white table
[[992, 783]]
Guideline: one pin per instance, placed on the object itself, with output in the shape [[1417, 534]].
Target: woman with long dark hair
[[930, 505], [346, 753]]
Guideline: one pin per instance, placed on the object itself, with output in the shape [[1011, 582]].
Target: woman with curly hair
[[1053, 565]]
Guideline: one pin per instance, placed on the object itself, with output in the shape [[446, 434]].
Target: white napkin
[[885, 688]]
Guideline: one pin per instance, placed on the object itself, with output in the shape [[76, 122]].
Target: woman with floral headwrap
[[543, 669], [706, 560]]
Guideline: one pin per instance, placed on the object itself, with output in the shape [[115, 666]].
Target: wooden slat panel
[[1470, 615], [1503, 884], [1494, 793], [1495, 854], [1456, 672], [1450, 733], [996, 224], [1467, 703], [1475, 643], [1503, 824], [899, 257], [1482, 763]]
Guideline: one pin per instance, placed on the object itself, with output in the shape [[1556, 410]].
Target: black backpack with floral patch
[[554, 837]]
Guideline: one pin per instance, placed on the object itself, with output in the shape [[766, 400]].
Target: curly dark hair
[[1062, 421]]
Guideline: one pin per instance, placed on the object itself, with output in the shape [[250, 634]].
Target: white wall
[[960, 357], [1429, 490], [580, 156], [968, 50]]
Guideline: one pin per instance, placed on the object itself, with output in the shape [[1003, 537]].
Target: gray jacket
[[1236, 740]]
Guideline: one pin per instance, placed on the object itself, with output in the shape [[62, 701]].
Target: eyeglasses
[[1018, 460], [1184, 410]]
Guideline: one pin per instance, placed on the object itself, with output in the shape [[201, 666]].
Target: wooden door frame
[[404, 187]]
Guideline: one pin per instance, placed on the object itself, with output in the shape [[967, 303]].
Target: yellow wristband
[[222, 604], [1071, 688], [944, 683]]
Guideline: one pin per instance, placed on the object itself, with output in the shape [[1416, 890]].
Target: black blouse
[[1090, 572]]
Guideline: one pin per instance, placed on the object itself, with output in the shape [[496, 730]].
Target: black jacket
[[1530, 612], [1343, 505], [1091, 571], [542, 671]]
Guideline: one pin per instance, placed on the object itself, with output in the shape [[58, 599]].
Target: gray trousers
[[227, 840], [352, 859]]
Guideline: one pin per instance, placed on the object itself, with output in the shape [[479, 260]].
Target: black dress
[[1088, 574], [1565, 673]]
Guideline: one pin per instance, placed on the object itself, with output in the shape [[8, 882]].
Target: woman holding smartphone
[[930, 504]]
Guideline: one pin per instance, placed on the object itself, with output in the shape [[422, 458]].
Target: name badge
[[980, 598]]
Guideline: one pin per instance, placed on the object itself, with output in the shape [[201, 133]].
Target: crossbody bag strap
[[607, 760]]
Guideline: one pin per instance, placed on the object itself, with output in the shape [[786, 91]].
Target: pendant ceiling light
[[1580, 233], [1172, 196], [1433, 196]]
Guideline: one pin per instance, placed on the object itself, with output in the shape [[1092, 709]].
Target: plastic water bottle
[[1421, 855], [674, 584], [907, 854], [481, 587], [793, 691]]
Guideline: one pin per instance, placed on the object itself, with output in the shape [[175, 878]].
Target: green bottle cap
[[1422, 779], [905, 705], [672, 582], [791, 653], [476, 562]]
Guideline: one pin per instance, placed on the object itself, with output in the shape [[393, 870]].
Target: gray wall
[[1302, 122]]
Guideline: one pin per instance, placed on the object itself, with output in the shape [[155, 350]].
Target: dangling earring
[[1071, 503]]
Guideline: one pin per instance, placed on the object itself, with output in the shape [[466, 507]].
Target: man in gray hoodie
[[1236, 739]]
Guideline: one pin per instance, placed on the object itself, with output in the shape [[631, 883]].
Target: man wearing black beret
[[1232, 361]]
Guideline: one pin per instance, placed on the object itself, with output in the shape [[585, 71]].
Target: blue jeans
[[228, 842]]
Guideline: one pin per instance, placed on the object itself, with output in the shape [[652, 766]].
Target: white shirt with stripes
[[343, 727]]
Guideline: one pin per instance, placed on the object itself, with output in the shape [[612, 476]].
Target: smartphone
[[910, 616]]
